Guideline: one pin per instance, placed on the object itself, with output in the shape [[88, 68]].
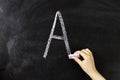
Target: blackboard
[[25, 27]]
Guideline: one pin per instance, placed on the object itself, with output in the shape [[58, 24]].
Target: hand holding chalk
[[87, 64]]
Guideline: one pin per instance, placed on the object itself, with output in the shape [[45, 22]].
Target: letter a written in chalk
[[53, 36]]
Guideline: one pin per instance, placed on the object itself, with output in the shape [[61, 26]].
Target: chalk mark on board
[[52, 36], [1, 10]]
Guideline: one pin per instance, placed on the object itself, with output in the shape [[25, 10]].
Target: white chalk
[[74, 55], [53, 36]]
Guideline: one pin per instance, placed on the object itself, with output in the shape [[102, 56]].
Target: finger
[[77, 60], [81, 54], [86, 52], [90, 52]]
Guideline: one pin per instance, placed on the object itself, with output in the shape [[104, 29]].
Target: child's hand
[[87, 64]]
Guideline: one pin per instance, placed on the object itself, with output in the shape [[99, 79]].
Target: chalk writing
[[52, 36]]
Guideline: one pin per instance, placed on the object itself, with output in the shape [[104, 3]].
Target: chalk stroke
[[52, 36]]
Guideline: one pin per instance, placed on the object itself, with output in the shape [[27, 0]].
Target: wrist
[[95, 75]]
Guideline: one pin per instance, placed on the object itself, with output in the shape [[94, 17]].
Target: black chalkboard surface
[[25, 28]]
